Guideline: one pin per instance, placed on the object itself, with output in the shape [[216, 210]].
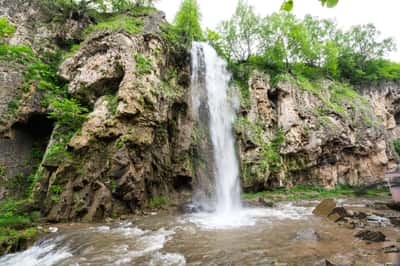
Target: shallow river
[[252, 237]]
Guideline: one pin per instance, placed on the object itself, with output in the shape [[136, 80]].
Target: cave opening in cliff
[[397, 118], [39, 126], [183, 183], [273, 97], [35, 133]]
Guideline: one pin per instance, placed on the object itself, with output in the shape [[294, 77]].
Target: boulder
[[337, 214], [374, 236], [325, 208]]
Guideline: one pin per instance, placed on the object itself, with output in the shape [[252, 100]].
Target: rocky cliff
[[323, 133], [136, 146]]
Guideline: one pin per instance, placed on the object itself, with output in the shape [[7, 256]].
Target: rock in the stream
[[337, 214], [374, 236], [266, 203], [395, 221], [394, 205], [308, 235], [391, 249], [325, 208]]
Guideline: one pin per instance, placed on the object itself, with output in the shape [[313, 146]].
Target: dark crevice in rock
[[38, 126], [397, 118], [182, 183]]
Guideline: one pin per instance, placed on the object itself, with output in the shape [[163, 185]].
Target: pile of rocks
[[356, 220]]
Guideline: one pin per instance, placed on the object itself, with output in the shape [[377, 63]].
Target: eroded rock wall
[[316, 134], [135, 145]]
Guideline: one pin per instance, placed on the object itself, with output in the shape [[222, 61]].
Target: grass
[[120, 22], [157, 202], [313, 192]]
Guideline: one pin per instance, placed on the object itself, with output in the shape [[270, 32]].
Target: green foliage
[[313, 192], [13, 214], [3, 171], [288, 5], [272, 159], [157, 202], [143, 65], [396, 144], [120, 22], [67, 112], [112, 103], [240, 33], [66, 8], [314, 48], [16, 224], [6, 29], [56, 189], [187, 22]]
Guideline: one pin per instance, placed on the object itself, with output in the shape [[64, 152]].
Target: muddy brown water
[[164, 239]]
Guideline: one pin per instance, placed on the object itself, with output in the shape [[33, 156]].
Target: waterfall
[[210, 95]]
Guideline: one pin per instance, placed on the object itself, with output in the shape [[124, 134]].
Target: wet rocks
[[391, 249], [266, 203], [394, 205], [395, 221], [325, 208], [308, 235], [373, 236], [337, 214], [191, 208]]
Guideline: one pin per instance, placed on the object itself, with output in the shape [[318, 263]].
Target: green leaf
[[329, 3], [287, 5]]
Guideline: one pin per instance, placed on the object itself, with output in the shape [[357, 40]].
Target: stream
[[283, 235]]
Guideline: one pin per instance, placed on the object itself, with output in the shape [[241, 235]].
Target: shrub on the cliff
[[6, 29], [67, 112]]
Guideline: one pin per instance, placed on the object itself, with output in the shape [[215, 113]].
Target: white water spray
[[207, 64]]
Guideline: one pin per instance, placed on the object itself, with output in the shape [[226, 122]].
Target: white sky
[[385, 14]]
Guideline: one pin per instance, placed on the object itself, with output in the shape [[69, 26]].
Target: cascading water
[[214, 109], [210, 74]]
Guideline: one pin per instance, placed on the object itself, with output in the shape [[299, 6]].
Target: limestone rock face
[[385, 99], [298, 134], [135, 144], [38, 27]]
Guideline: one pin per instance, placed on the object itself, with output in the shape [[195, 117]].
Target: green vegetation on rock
[[123, 22], [6, 29], [17, 225], [143, 65], [157, 202], [313, 192]]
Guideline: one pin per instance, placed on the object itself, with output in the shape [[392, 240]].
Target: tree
[[241, 32], [187, 21], [287, 5]]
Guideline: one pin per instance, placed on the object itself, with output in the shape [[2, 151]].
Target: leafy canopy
[[240, 33], [310, 46]]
